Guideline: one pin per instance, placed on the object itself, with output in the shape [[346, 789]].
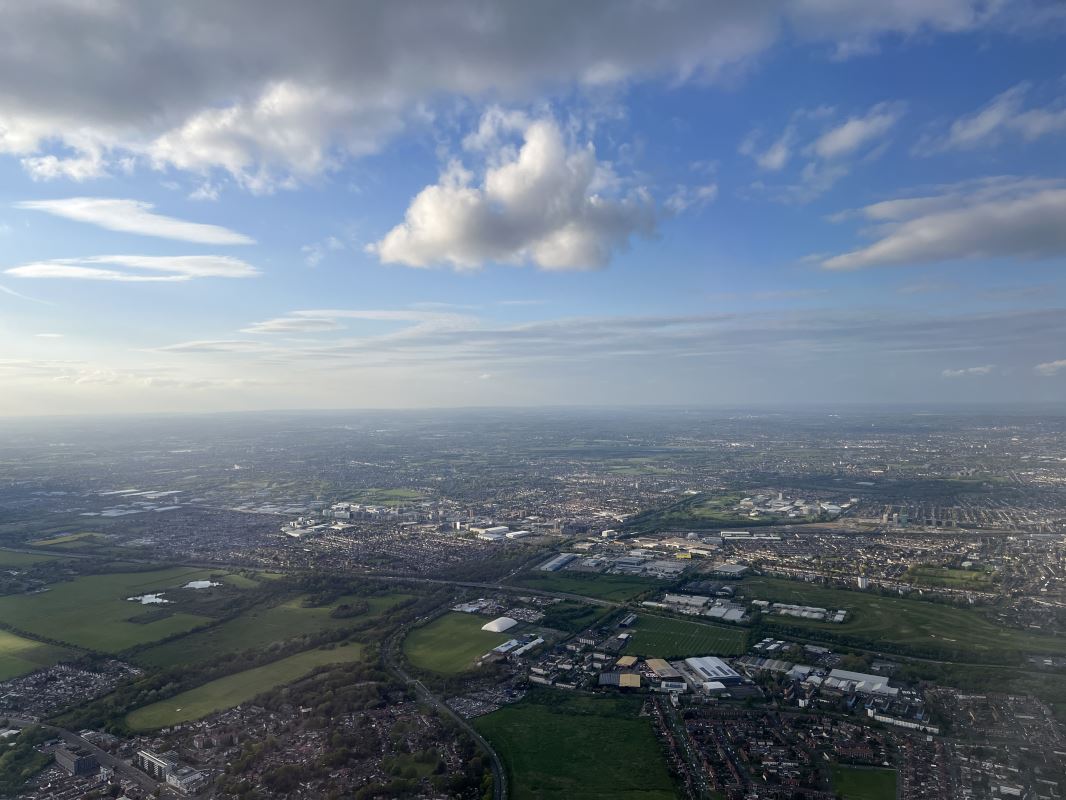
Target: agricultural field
[[19, 655], [93, 612], [861, 783], [562, 746], [903, 622], [232, 690], [451, 643], [618, 588], [259, 628], [661, 637], [10, 558]]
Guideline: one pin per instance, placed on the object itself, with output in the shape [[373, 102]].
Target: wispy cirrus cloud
[[1050, 368], [134, 216], [1005, 115], [965, 372], [828, 147], [1018, 218], [136, 269], [324, 320]]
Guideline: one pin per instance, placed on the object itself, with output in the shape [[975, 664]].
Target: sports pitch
[[903, 622], [451, 643], [556, 746], [661, 637]]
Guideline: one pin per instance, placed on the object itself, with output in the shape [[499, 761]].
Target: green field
[[70, 540], [859, 783], [926, 575], [451, 643], [235, 689], [19, 655], [259, 628], [385, 497], [9, 558], [562, 746], [93, 612], [661, 637], [701, 511], [902, 622], [618, 588]]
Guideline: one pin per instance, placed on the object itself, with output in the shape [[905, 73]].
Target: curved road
[[499, 776]]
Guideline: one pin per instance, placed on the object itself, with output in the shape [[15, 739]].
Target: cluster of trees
[[21, 760]]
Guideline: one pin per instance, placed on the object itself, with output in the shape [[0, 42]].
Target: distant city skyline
[[226, 207]]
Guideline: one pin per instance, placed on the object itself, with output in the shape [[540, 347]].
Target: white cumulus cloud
[[538, 204], [273, 93]]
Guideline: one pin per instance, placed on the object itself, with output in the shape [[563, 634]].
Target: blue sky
[[465, 203]]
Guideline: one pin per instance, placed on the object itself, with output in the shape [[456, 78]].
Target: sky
[[272, 205]]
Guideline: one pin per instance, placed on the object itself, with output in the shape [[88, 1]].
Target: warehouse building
[[623, 680], [708, 669]]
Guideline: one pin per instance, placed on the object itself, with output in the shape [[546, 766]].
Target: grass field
[[449, 644], [563, 746], [661, 637], [258, 628], [19, 655], [92, 612], [386, 497], [9, 558], [926, 575], [235, 689], [701, 512], [69, 540], [607, 587], [856, 783], [904, 622]]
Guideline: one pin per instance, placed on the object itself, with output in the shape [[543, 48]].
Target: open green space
[[93, 612], [385, 497], [905, 623], [10, 558], [555, 745], [260, 627], [572, 615], [607, 587], [82, 539], [19, 655], [662, 637], [450, 643], [928, 575], [861, 783], [700, 511], [238, 688]]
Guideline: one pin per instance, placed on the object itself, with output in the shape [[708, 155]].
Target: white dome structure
[[499, 625]]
